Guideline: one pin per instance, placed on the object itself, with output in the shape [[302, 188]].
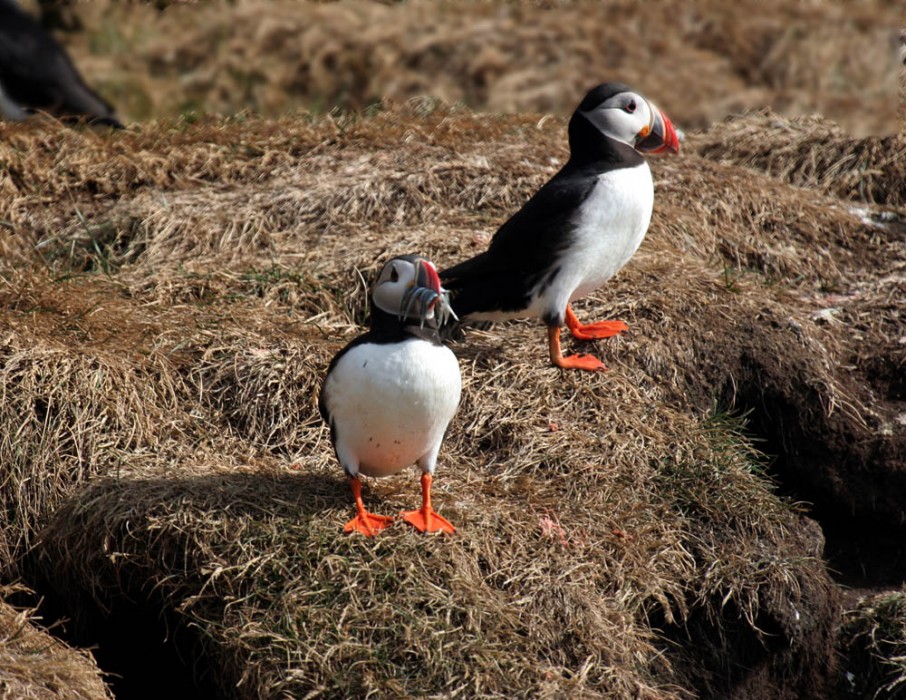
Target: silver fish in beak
[[426, 300]]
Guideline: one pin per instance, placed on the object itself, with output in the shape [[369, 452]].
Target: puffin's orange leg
[[586, 362], [425, 519], [369, 524], [592, 331]]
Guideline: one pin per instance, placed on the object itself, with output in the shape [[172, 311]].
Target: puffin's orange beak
[[659, 136], [425, 297], [426, 276]]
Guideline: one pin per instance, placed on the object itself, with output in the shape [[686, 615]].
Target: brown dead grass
[[617, 532], [69, 412], [832, 57], [37, 666], [813, 152], [536, 594]]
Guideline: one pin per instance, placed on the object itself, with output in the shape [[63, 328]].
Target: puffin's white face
[[630, 118], [409, 287]]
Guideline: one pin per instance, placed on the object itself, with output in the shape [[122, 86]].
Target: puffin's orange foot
[[589, 363], [369, 524], [596, 331], [427, 520]]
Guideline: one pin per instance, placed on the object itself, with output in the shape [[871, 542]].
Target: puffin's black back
[[36, 72]]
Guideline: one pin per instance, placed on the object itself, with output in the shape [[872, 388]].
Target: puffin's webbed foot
[[426, 519], [369, 524], [584, 361], [593, 331], [589, 363]]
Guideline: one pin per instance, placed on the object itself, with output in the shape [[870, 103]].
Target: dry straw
[[813, 152], [37, 666], [838, 59], [618, 534]]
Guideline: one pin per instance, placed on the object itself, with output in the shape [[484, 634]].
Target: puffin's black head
[[408, 289], [614, 111], [600, 94]]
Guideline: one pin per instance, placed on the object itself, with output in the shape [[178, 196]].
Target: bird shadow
[[271, 492]]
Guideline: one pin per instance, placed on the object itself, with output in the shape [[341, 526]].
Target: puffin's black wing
[[37, 74], [523, 251]]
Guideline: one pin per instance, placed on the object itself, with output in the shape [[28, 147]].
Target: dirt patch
[[873, 639]]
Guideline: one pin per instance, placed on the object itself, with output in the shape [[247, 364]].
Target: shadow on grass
[[119, 561]]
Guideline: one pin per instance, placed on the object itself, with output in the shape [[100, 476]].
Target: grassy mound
[[813, 152], [72, 406], [619, 535], [560, 567], [37, 666], [266, 57]]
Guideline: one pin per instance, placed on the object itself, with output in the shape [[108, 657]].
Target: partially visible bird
[[577, 231], [390, 394], [37, 75]]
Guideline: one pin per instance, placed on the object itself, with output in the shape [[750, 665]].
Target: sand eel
[[36, 74], [577, 231], [389, 394]]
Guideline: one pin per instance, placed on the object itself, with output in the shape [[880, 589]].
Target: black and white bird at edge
[[37, 75], [389, 395]]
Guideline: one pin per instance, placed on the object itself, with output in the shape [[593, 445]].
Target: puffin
[[389, 395], [577, 231], [37, 75]]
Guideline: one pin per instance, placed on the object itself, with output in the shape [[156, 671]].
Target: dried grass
[[270, 57], [615, 530], [536, 594], [813, 152], [37, 666], [69, 411]]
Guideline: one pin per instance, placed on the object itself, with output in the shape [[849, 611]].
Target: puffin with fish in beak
[[390, 394]]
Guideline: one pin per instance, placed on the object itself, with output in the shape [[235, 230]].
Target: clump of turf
[[38, 666], [618, 536], [873, 643]]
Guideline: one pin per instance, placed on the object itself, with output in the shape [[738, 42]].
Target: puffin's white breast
[[609, 228], [391, 403]]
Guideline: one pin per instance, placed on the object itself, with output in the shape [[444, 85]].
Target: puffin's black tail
[[482, 285], [466, 281]]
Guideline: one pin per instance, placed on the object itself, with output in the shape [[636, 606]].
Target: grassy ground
[[836, 58], [170, 297]]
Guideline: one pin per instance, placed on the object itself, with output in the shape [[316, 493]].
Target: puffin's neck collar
[[387, 325], [588, 145]]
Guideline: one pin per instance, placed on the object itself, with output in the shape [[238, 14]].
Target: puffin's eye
[[631, 106], [394, 275]]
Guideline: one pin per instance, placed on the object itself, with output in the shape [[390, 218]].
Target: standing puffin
[[36, 74], [389, 395], [578, 230]]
